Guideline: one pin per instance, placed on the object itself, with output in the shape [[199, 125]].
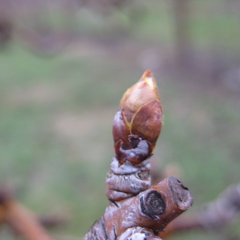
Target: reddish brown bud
[[138, 123]]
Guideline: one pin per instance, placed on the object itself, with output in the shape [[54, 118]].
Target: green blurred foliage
[[56, 117]]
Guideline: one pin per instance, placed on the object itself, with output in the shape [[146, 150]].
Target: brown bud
[[138, 123]]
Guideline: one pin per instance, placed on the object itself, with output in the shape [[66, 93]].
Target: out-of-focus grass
[[56, 117]]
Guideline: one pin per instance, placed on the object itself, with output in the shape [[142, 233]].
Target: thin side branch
[[214, 215], [21, 220]]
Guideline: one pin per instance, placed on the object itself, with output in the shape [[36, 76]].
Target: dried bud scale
[[127, 180], [138, 233]]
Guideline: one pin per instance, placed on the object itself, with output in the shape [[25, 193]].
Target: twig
[[214, 215], [138, 210], [152, 209], [24, 222], [21, 220]]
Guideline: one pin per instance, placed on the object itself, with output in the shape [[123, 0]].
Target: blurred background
[[64, 65]]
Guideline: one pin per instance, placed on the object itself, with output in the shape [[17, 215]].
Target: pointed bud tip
[[148, 78], [147, 74]]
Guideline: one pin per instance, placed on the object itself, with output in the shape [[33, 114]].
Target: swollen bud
[[138, 123]]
